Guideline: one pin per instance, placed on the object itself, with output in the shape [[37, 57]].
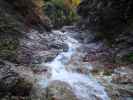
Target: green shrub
[[59, 14], [9, 36], [8, 49], [128, 57]]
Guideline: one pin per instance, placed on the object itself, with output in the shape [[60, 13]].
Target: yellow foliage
[[71, 3], [75, 3], [38, 3], [38, 6]]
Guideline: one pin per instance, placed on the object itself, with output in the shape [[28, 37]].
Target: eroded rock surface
[[12, 82], [106, 16], [36, 48], [60, 91]]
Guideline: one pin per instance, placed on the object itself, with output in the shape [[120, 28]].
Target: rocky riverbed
[[57, 75], [92, 61], [55, 66], [34, 49], [115, 76]]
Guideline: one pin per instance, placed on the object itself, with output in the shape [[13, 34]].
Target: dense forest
[[66, 50]]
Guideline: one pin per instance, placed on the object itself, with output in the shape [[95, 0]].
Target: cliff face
[[111, 21], [108, 16]]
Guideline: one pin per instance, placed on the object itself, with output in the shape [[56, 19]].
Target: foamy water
[[85, 87]]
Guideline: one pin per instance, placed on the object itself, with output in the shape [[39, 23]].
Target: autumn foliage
[[61, 12], [32, 11]]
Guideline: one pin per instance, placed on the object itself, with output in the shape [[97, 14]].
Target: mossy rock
[[22, 88], [108, 72], [9, 24], [128, 57], [8, 49], [10, 32]]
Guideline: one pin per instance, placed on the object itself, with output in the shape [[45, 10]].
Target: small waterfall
[[85, 87]]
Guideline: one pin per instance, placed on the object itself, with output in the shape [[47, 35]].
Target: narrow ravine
[[85, 87], [66, 50]]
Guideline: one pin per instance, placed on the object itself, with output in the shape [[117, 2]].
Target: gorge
[[66, 50]]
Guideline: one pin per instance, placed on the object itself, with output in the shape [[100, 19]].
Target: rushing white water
[[85, 87]]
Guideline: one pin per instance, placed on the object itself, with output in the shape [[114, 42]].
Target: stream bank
[[111, 22], [115, 76]]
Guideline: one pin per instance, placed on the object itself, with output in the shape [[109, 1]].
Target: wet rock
[[120, 92], [123, 75], [81, 67], [61, 46], [69, 29], [42, 69], [38, 93], [83, 36], [41, 75], [58, 90], [45, 56]]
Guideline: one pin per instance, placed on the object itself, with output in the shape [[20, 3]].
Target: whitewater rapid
[[84, 86]]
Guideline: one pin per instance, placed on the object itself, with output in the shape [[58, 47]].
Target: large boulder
[[58, 90], [11, 81]]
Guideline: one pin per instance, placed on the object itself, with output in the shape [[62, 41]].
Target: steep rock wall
[[111, 20]]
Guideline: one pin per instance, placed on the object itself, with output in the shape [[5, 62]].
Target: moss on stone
[[8, 49], [128, 58], [10, 32], [22, 88]]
